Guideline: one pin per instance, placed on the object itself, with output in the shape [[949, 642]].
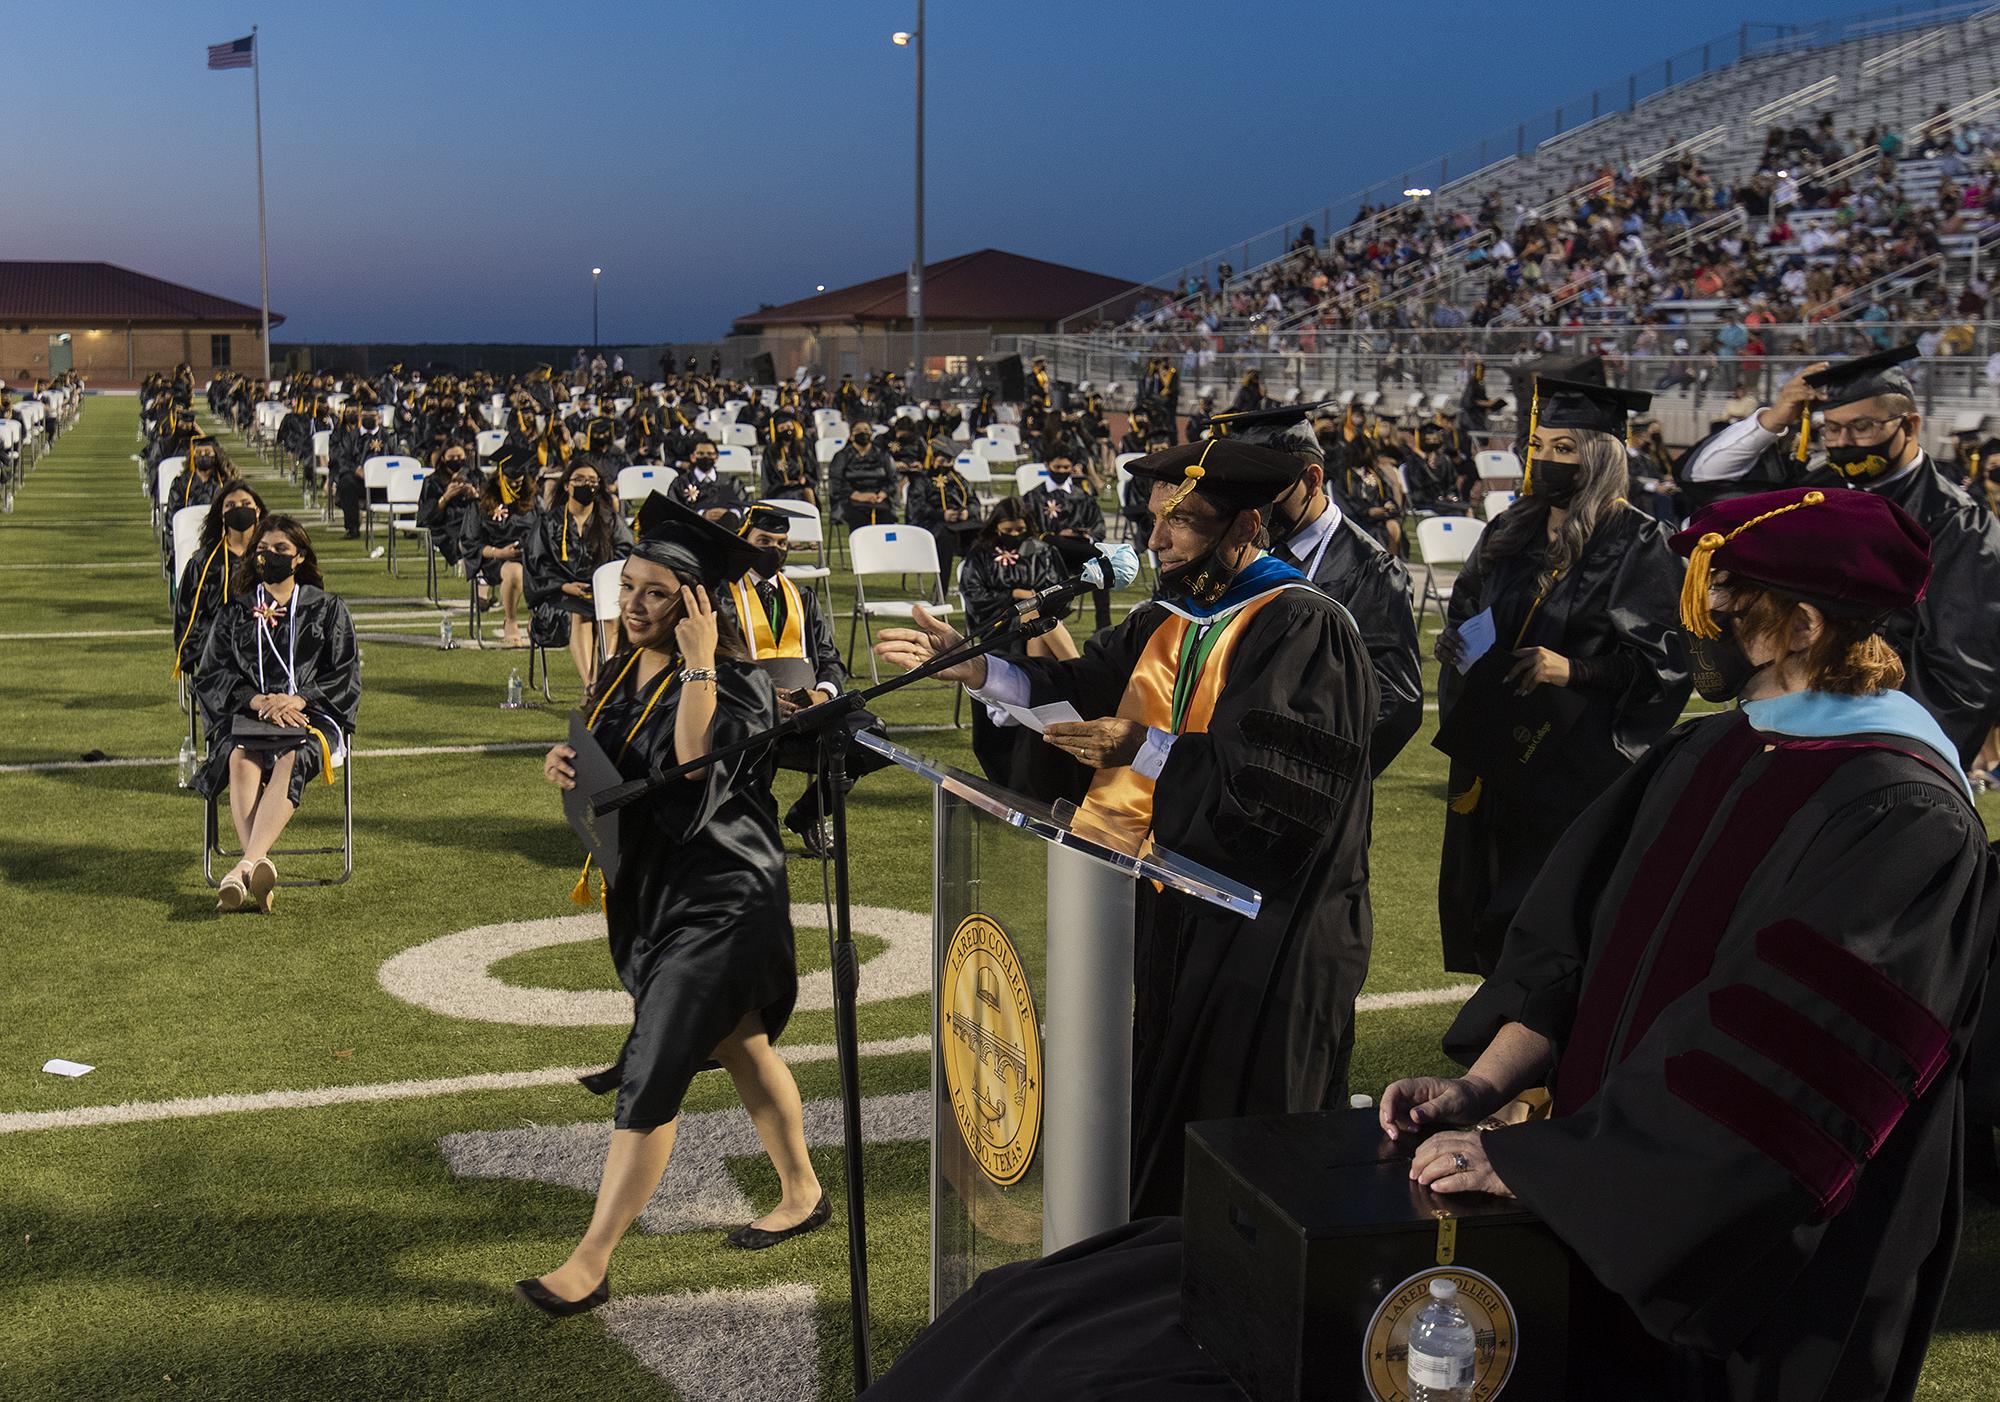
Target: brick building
[[115, 326]]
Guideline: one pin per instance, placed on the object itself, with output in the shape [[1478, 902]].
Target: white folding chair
[[637, 483], [1497, 501], [738, 435], [825, 448], [1444, 540], [806, 528], [1028, 476], [1004, 433], [992, 450], [375, 475], [827, 423], [405, 489], [735, 458], [1497, 465], [489, 441], [885, 550]]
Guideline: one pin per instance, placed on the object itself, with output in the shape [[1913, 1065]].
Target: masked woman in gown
[[279, 684], [699, 913]]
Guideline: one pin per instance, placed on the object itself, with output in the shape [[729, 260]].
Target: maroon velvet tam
[[1852, 552]]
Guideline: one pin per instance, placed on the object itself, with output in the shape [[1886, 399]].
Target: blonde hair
[[1849, 658]]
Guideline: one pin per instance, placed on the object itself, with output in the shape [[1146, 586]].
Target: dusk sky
[[451, 172]]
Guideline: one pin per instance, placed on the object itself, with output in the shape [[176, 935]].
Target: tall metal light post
[[595, 273], [915, 297]]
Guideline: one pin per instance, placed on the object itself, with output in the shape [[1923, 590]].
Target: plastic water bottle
[[1443, 1349], [444, 633], [513, 701], [186, 765]]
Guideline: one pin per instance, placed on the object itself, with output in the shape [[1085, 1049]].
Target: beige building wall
[[113, 354]]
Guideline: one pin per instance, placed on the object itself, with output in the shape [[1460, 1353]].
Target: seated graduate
[[779, 622], [1067, 517], [1004, 565], [703, 488], [700, 914], [1754, 965], [790, 466], [942, 502], [1227, 720], [448, 496], [279, 684], [570, 541], [209, 580], [1311, 531], [496, 534], [207, 469], [1579, 587]]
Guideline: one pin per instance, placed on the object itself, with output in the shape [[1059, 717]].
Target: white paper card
[[1040, 718], [1476, 637], [57, 1066]]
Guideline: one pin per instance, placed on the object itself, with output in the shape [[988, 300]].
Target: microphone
[[1115, 567]]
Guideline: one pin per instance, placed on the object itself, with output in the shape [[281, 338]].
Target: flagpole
[[263, 254]]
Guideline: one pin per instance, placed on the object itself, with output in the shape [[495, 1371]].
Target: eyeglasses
[[1853, 430]]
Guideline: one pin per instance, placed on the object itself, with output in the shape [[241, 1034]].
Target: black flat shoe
[[816, 837], [748, 1238], [548, 1302]]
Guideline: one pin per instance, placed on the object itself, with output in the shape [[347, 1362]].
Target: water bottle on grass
[[513, 701]]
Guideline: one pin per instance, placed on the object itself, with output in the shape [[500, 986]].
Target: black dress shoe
[[757, 1239], [548, 1302]]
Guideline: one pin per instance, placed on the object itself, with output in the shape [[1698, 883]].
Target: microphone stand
[[825, 721]]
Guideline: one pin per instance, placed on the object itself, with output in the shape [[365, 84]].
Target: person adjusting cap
[[1851, 553], [1852, 381], [1232, 476]]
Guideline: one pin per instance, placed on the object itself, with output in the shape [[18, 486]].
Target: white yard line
[[195, 1107]]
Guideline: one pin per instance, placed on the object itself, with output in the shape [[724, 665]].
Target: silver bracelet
[[697, 674]]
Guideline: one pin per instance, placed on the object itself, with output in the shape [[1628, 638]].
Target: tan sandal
[[230, 895], [263, 882]]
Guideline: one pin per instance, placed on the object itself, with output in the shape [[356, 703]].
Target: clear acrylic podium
[[1031, 979]]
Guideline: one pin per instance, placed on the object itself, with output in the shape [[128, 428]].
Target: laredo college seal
[[990, 1042], [1385, 1360]]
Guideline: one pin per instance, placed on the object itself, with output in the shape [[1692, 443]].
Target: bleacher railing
[[1486, 155]]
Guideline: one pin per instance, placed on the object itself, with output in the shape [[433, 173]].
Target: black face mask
[[1857, 462], [239, 518], [1555, 482], [771, 560], [1010, 538], [274, 568], [583, 494], [1720, 666], [1203, 580]]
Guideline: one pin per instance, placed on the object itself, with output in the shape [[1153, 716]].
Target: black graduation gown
[[444, 520], [205, 586], [328, 676], [1621, 604], [556, 554], [1761, 959], [789, 469], [1950, 643], [1235, 1016], [190, 490], [718, 492], [1372, 585], [484, 527], [700, 916], [1011, 755]]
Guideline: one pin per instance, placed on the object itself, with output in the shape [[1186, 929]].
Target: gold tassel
[[579, 894], [1695, 616], [1534, 422], [1191, 476], [1805, 436], [1469, 800]]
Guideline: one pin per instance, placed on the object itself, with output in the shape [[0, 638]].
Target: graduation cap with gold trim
[[1288, 428], [1231, 475], [1578, 404]]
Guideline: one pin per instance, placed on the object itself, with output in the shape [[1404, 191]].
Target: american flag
[[234, 54]]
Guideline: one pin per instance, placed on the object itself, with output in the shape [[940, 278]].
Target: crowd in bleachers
[[1789, 245]]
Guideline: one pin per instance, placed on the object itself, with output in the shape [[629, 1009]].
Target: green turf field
[[310, 1240]]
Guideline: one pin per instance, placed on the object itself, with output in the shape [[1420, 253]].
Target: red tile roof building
[[120, 325]]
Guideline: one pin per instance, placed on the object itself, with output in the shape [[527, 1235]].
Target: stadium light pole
[[914, 298], [595, 273]]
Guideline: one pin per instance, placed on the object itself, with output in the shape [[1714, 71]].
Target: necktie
[[767, 590]]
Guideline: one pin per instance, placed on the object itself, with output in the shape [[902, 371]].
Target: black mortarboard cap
[[1233, 476], [1855, 380], [1574, 404], [1287, 427], [690, 544], [767, 518]]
